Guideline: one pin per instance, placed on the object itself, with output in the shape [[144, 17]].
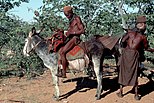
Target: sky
[[22, 10]]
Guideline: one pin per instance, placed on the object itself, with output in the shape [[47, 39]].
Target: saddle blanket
[[109, 41], [76, 53]]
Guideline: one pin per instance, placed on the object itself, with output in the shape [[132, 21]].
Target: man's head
[[68, 11], [141, 23]]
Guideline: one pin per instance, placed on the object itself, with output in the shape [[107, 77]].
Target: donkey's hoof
[[120, 95], [97, 97], [55, 98], [137, 97]]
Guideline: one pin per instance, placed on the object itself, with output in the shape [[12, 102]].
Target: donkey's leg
[[55, 80], [55, 84], [97, 61]]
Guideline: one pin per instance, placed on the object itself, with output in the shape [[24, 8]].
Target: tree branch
[[125, 26]]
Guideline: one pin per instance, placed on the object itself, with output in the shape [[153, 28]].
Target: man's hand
[[67, 33], [150, 50]]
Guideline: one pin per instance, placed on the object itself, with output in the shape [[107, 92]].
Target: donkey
[[50, 60]]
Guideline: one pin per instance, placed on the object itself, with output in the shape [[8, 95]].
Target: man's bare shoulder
[[142, 36]]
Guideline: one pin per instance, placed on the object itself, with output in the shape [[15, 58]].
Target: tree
[[13, 32], [101, 17], [6, 5]]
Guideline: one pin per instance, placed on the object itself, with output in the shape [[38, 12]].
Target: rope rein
[[29, 38]]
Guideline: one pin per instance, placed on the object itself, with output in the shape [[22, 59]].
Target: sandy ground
[[40, 90]]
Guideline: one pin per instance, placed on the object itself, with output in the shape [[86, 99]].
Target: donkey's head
[[31, 42]]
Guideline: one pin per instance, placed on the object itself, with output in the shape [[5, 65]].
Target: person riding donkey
[[135, 44], [76, 28]]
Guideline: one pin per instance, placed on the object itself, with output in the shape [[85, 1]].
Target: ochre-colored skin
[[76, 28], [135, 40], [141, 26]]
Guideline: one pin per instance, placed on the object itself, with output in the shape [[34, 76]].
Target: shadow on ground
[[147, 88], [109, 85]]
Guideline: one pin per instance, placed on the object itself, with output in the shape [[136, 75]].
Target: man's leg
[[82, 45], [120, 93], [70, 45], [137, 97]]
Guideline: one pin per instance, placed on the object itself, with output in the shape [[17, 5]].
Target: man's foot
[[120, 95]]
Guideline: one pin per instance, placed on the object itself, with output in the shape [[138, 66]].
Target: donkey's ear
[[33, 29]]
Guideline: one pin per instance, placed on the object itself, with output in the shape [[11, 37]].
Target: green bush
[[12, 41]]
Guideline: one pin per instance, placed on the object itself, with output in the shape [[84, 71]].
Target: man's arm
[[150, 49], [124, 40], [146, 46], [80, 26], [125, 37]]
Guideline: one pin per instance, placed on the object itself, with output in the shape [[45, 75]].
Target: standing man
[[76, 28], [130, 59]]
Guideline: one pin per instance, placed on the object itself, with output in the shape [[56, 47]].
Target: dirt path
[[39, 90]]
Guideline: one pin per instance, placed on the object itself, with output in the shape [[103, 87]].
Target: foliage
[[99, 16], [6, 5], [12, 40], [13, 32]]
